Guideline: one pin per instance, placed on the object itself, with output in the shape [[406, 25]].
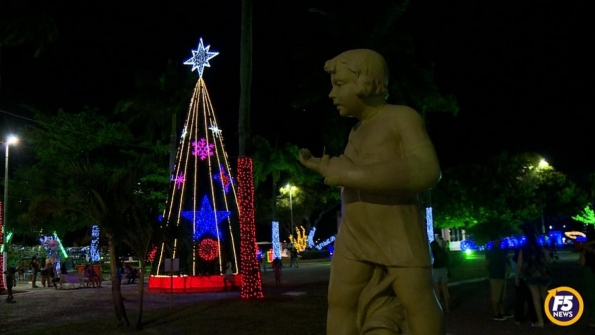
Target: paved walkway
[[470, 314]]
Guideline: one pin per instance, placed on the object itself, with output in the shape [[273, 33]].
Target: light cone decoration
[[202, 200]]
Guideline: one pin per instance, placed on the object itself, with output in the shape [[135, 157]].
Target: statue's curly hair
[[369, 67]]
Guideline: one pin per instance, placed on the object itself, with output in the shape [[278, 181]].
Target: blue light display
[[94, 244], [206, 220], [430, 224], [519, 241], [311, 237], [326, 242], [276, 241]]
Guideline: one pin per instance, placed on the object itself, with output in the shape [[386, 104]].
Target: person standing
[[277, 271], [34, 268], [533, 263], [440, 274], [45, 272], [10, 281], [294, 257], [522, 295], [228, 277], [495, 263], [587, 260]]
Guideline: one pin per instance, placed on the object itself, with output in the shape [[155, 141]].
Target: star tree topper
[[200, 58], [206, 220]]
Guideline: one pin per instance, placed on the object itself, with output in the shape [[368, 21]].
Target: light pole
[[290, 189], [543, 165], [10, 140]]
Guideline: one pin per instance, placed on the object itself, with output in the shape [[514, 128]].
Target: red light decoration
[[223, 178], [190, 284], [208, 249], [151, 254], [251, 280]]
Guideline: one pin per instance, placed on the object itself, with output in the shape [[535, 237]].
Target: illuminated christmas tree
[[202, 197]]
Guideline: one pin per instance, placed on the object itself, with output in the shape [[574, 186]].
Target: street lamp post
[[291, 210], [543, 165], [290, 189], [10, 140]]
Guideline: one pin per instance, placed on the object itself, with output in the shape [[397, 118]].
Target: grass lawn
[[277, 313], [464, 267]]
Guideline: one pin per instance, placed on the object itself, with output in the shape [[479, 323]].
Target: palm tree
[[142, 224], [249, 265], [105, 198], [272, 161], [158, 99], [244, 128]]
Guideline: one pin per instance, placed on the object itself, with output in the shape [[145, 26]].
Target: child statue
[[381, 272]]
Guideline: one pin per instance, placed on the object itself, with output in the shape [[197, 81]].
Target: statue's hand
[[314, 163]]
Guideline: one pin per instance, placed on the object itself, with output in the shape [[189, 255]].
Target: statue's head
[[369, 67]]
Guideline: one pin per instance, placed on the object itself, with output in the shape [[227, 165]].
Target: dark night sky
[[522, 71]]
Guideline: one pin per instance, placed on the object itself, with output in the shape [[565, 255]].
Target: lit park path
[[470, 311]]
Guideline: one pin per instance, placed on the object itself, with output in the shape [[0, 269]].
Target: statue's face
[[345, 91]]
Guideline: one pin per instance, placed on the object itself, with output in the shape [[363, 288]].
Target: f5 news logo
[[564, 306]]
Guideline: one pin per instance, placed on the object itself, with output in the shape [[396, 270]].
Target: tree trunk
[[116, 291], [244, 128], [275, 176], [274, 199], [141, 292], [0, 67]]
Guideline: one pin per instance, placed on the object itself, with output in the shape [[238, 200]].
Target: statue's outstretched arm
[[414, 173]]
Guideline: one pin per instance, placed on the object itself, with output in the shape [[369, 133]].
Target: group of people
[[497, 263], [52, 276], [530, 266], [91, 276], [127, 274], [46, 269]]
